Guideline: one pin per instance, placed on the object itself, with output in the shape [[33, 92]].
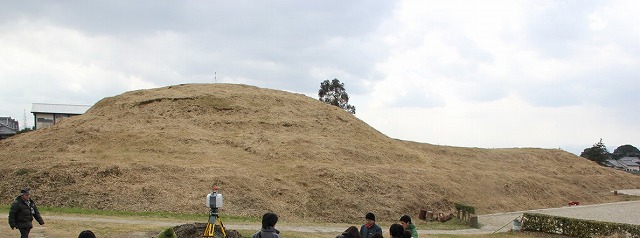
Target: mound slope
[[162, 150]]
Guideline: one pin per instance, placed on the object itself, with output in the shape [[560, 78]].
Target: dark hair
[[352, 232], [396, 230], [269, 219], [87, 234], [370, 216], [407, 234], [406, 219]]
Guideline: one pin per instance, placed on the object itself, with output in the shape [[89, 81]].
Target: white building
[[46, 115], [626, 163]]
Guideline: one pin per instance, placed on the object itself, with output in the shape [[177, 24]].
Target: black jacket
[[21, 216]]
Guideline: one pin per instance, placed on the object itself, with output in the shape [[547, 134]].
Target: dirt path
[[621, 212]]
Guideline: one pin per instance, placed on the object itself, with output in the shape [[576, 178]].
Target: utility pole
[[25, 125]]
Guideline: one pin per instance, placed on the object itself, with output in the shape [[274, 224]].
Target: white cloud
[[494, 84]]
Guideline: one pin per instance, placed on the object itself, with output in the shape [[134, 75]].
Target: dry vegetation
[[162, 150]]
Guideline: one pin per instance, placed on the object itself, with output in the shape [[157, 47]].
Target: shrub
[[167, 233]]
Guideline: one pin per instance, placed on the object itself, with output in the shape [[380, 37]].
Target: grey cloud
[[475, 85], [553, 95], [418, 99], [236, 19], [612, 87], [555, 31], [484, 91], [222, 37], [563, 32]]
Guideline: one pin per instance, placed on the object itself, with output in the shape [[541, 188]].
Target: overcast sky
[[491, 74]]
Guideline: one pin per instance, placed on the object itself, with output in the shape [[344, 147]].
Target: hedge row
[[465, 208], [464, 211], [576, 227]]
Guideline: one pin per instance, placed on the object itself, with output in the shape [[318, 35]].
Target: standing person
[[405, 221], [22, 212], [268, 230], [370, 227]]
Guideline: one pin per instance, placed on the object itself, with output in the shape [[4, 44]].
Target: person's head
[[86, 234], [405, 221], [352, 232], [407, 234], [269, 220], [25, 194], [396, 230], [370, 218]]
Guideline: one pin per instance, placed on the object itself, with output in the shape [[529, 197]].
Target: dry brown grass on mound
[[162, 149]]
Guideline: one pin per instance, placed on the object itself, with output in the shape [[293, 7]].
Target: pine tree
[[598, 153]]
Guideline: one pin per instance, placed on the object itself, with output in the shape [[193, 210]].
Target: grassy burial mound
[[163, 149]]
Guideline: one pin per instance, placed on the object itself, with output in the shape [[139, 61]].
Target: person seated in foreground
[[268, 230], [396, 231], [405, 221], [351, 232], [86, 234]]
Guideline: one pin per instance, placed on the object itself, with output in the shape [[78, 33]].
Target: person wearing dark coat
[[268, 230], [397, 231], [351, 232], [22, 212], [377, 235], [370, 227]]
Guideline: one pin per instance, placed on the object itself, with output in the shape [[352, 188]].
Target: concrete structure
[[8, 127], [46, 115]]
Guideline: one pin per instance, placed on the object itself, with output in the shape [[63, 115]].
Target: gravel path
[[620, 212]]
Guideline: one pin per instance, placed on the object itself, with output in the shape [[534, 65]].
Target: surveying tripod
[[214, 219]]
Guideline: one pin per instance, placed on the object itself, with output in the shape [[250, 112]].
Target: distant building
[[8, 127], [631, 164], [47, 115]]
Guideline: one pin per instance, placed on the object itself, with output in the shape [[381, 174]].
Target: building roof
[[59, 108], [632, 159], [625, 162], [5, 130], [629, 163], [615, 163]]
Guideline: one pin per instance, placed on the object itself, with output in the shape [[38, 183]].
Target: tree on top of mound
[[598, 153], [334, 93]]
